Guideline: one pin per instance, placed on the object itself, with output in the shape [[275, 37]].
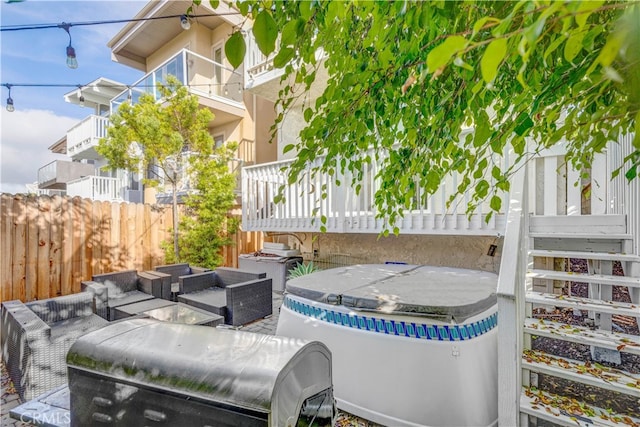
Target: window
[[217, 79], [218, 140]]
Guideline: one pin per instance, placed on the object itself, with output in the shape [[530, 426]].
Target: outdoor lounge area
[[36, 336]]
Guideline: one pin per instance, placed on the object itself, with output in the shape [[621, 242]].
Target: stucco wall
[[453, 251]]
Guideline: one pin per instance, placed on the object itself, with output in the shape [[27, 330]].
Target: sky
[[41, 115]]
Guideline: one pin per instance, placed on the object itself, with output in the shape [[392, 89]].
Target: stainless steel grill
[[143, 372]]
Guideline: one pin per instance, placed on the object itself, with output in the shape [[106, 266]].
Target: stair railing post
[[511, 292]]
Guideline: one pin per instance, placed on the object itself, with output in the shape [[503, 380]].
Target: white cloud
[[25, 138]]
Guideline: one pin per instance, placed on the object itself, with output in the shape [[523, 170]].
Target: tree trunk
[[176, 249]]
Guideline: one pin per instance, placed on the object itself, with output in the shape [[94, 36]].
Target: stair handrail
[[511, 307]]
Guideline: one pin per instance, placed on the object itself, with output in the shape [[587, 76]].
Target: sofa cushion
[[212, 299]]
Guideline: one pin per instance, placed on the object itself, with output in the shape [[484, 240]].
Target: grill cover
[[142, 370]]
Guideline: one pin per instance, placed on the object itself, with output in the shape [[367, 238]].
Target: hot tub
[[412, 345]]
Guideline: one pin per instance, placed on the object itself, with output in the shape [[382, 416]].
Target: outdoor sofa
[[111, 290], [240, 296], [37, 335]]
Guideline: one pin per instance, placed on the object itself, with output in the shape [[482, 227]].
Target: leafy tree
[[154, 137], [206, 226], [406, 77]]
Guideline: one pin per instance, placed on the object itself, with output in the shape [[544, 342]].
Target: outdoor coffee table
[[183, 313], [124, 311]]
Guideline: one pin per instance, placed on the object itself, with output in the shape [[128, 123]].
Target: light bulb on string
[[72, 62], [185, 23], [81, 98], [10, 107]]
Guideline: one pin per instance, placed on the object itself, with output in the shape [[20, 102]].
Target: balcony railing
[[47, 172], [57, 174], [347, 212], [552, 192], [257, 62], [201, 75], [96, 188], [86, 134]]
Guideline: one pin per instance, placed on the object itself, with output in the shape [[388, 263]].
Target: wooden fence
[[48, 245]]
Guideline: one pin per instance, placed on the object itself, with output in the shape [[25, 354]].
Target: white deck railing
[[554, 189], [86, 134], [345, 211], [96, 188], [257, 62]]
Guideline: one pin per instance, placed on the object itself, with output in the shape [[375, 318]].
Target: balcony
[[264, 79], [348, 212], [103, 189], [218, 87], [84, 137], [56, 175]]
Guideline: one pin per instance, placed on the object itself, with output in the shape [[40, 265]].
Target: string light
[[81, 99], [72, 62], [185, 22], [10, 107], [23, 27], [130, 89]]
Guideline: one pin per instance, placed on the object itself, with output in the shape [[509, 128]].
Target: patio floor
[[265, 326]]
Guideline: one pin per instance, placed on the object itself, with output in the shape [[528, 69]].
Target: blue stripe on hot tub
[[399, 328]]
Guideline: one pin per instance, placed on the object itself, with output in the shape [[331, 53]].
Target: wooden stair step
[[596, 224], [582, 335], [610, 307], [584, 236], [605, 256], [589, 373], [562, 411], [602, 279]]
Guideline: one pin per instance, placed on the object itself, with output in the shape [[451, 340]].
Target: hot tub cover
[[441, 293], [241, 369]]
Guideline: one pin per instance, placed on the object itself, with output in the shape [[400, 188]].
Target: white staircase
[[581, 346]]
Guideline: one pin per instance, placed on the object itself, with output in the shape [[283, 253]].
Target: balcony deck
[[219, 87]]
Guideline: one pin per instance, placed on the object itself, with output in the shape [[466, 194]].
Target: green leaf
[[283, 57], [574, 45], [288, 148], [265, 32], [482, 189], [235, 49], [306, 11], [585, 9], [243, 7], [214, 3], [496, 203], [291, 31], [308, 113], [523, 123], [442, 54], [493, 56]]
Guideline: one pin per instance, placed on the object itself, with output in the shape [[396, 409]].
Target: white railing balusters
[[345, 210], [96, 188], [86, 134]]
